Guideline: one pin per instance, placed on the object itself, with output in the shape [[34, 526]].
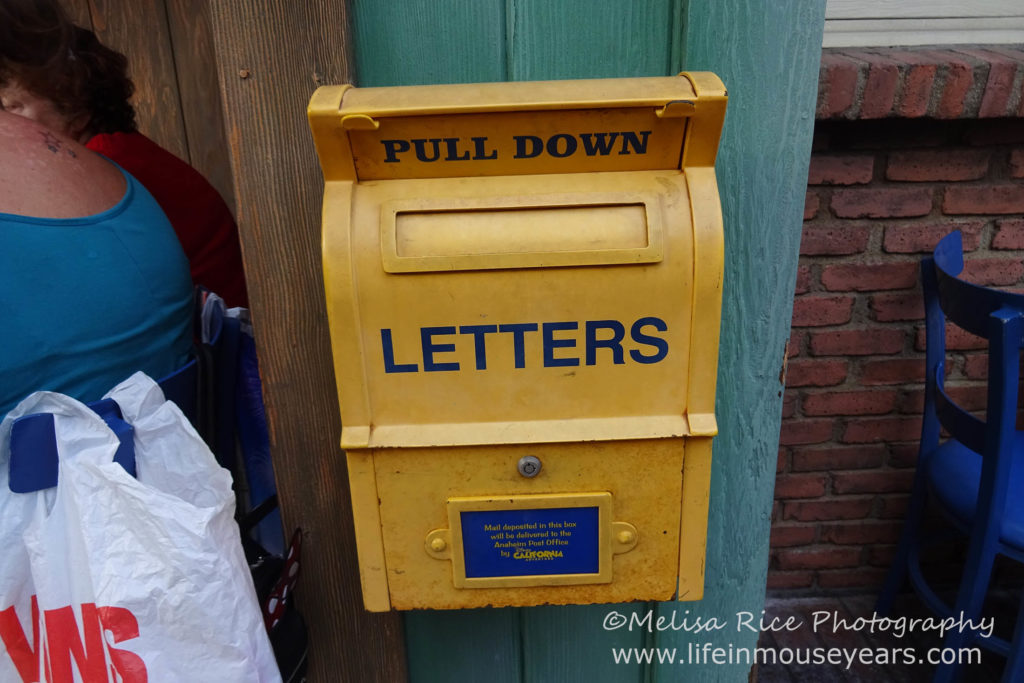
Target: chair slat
[[967, 305], [961, 425]]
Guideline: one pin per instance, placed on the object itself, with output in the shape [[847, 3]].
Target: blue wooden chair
[[969, 475]]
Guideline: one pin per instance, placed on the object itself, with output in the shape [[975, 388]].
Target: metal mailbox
[[523, 289]]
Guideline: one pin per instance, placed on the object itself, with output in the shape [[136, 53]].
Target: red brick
[[818, 558], [811, 205], [903, 455], [882, 202], [1009, 235], [998, 86], [878, 429], [982, 199], [881, 481], [976, 366], [799, 486], [803, 279], [1017, 161], [788, 580], [993, 271], [783, 461], [917, 238], [820, 510], [815, 373], [894, 506], [795, 432], [795, 343], [789, 404], [876, 402], [916, 93], [892, 307], [892, 371], [840, 76], [817, 311], [880, 88], [837, 458], [787, 536], [834, 240], [840, 169], [969, 397], [863, 578], [867, 342], [957, 339], [925, 165], [861, 533], [859, 277], [881, 555], [958, 83]]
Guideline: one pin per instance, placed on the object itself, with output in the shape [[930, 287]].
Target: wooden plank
[[577, 643], [762, 175], [271, 55], [192, 41], [762, 171], [559, 41], [589, 39], [139, 31], [486, 646], [408, 42]]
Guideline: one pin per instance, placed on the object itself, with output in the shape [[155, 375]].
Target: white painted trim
[[908, 9], [884, 23]]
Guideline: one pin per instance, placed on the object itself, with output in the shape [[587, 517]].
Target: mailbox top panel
[[518, 96], [524, 128]]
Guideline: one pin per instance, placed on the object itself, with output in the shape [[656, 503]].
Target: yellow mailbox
[[524, 293]]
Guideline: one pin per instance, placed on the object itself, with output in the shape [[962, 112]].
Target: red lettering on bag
[[123, 625], [25, 658], [69, 645], [66, 643]]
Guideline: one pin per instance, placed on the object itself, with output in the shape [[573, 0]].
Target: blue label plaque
[[533, 542]]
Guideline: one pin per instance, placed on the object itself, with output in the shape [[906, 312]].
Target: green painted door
[[767, 53]]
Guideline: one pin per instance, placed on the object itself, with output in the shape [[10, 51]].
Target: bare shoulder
[[46, 175]]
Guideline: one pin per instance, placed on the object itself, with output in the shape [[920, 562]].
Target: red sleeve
[[201, 219]]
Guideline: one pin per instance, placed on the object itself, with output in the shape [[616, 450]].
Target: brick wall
[[881, 193]]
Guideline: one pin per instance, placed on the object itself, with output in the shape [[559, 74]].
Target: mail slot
[[523, 285]]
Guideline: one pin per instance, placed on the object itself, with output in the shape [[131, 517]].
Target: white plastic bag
[[111, 578]]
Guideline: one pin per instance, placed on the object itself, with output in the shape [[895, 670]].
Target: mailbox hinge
[[359, 122], [676, 108]]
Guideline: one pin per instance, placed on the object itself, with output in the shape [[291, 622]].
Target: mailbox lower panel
[[414, 486]]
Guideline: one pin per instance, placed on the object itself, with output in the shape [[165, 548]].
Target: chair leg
[[970, 597]]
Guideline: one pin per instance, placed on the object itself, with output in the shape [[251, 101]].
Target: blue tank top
[[85, 302]]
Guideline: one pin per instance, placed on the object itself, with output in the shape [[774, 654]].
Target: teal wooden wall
[[767, 54]]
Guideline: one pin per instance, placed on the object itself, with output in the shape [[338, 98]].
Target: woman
[[83, 92], [93, 282]]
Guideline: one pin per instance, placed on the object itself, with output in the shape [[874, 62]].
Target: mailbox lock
[[529, 466]]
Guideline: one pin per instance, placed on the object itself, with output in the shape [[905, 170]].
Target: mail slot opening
[[421, 234], [520, 231]]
